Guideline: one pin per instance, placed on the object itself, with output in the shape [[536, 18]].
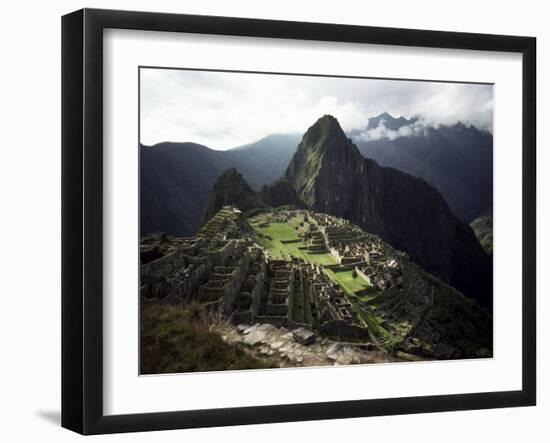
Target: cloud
[[223, 110], [382, 132]]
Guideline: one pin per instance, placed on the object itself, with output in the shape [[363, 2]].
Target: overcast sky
[[223, 110]]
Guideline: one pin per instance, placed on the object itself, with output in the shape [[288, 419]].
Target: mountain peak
[[231, 173], [324, 149], [389, 121], [327, 123], [231, 189], [324, 129], [327, 119]]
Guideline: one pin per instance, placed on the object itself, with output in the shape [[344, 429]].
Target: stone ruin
[[223, 268]]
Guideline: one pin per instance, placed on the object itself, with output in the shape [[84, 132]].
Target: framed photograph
[[268, 221]]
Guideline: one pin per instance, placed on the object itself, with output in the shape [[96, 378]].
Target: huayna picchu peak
[[324, 144], [325, 134]]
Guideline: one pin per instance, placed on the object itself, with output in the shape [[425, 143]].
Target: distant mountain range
[[389, 122], [176, 178], [456, 159], [328, 174]]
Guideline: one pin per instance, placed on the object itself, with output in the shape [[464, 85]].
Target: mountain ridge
[[175, 178], [456, 159], [390, 122]]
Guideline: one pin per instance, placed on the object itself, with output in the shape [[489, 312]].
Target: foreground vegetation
[[181, 338]]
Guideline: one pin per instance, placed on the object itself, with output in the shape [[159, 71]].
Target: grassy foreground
[[179, 338]]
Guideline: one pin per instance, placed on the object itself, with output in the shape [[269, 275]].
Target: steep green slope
[[483, 228]]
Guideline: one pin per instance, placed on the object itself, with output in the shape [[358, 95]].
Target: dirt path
[[279, 347]]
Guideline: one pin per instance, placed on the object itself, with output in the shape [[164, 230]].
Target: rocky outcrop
[[330, 175], [483, 228], [303, 336], [281, 345], [230, 188]]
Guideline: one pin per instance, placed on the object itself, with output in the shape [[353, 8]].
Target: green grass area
[[178, 338], [368, 298], [282, 231], [318, 258], [349, 280], [296, 220], [364, 314], [374, 322], [273, 247]]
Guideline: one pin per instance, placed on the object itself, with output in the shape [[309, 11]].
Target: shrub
[[181, 338]]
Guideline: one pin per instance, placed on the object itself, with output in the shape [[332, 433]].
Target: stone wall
[[185, 288], [362, 275], [242, 317], [339, 328], [225, 282], [214, 290], [285, 242], [174, 275], [163, 266], [248, 315], [258, 290]]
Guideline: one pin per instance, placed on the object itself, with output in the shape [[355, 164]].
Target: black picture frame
[[82, 219]]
